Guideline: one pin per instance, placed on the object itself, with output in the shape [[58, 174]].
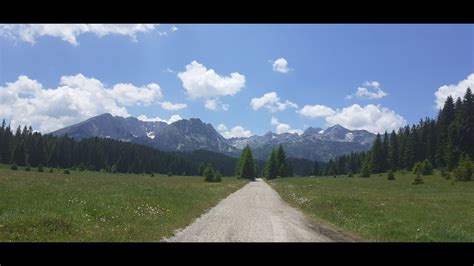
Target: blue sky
[[397, 68]]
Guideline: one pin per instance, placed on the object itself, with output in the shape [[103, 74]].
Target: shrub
[[418, 180], [14, 166], [426, 168], [81, 168], [463, 171], [27, 168], [447, 175], [443, 172], [67, 172], [152, 175], [390, 175], [417, 168], [217, 176], [210, 175], [113, 169], [51, 170], [365, 172], [170, 173], [350, 174], [40, 168]]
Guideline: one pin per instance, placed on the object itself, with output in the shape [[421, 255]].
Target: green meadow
[[97, 206], [377, 209]]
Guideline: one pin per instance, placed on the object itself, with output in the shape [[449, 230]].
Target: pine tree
[[248, 168], [394, 156], [316, 168], [209, 174], [385, 153], [271, 169], [377, 156], [281, 162], [18, 155], [366, 171]]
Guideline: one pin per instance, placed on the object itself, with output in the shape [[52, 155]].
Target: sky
[[243, 79]]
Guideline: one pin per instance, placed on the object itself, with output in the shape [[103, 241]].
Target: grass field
[[94, 206], [376, 209]]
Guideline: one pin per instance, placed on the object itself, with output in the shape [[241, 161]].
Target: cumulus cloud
[[172, 119], [454, 90], [77, 98], [272, 102], [281, 65], [225, 107], [314, 111], [173, 106], [235, 132], [371, 90], [70, 32], [200, 82], [128, 94], [173, 28], [373, 118], [210, 104], [284, 128]]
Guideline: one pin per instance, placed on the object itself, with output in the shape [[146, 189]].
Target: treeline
[[443, 142], [28, 148]]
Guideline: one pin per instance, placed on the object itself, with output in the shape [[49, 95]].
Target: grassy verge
[[95, 206], [376, 209]]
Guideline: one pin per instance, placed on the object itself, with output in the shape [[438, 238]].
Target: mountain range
[[193, 134]]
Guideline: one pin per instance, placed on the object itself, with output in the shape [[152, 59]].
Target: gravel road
[[254, 213]]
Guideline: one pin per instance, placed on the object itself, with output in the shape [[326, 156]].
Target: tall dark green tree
[[394, 156], [281, 162], [271, 167], [247, 164], [377, 159]]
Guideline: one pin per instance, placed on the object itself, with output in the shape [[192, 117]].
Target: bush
[[390, 175], [464, 170], [350, 174], [51, 170], [170, 173], [212, 176], [27, 168], [365, 172], [152, 175], [40, 168], [81, 168], [443, 172], [217, 176], [417, 168], [14, 166], [67, 172], [418, 180], [426, 168], [447, 176]]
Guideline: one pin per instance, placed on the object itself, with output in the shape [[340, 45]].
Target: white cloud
[[221, 127], [281, 65], [77, 98], [69, 32], [200, 82], [272, 102], [210, 104], [373, 118], [371, 90], [314, 111], [173, 106], [172, 119], [173, 28], [235, 132], [225, 107], [454, 90], [128, 94], [284, 128]]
